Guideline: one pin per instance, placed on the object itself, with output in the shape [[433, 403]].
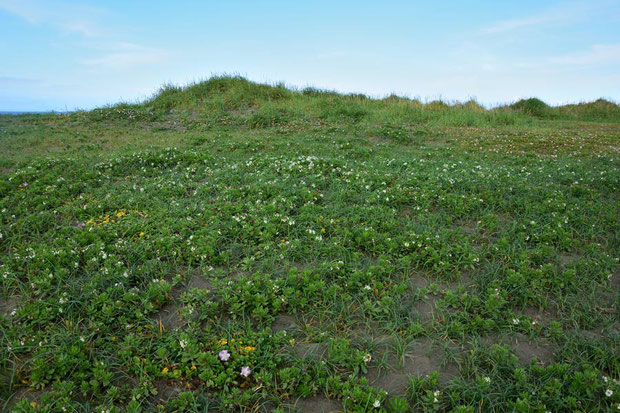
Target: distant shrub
[[393, 98], [533, 107], [437, 106], [357, 96], [312, 91], [600, 109], [471, 105], [168, 97]]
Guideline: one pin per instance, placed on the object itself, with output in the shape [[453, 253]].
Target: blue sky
[[57, 55]]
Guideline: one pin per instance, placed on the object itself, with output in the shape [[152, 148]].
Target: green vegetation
[[239, 247]]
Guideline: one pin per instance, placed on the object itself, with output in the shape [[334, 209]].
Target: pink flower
[[245, 371], [224, 355]]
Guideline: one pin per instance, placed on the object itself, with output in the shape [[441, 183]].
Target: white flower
[[367, 287], [376, 404], [515, 321], [367, 358], [609, 392], [487, 379], [183, 343]]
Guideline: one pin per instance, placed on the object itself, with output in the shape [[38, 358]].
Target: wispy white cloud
[[560, 14], [14, 80], [92, 27], [513, 24], [68, 17], [124, 55], [26, 10], [598, 54]]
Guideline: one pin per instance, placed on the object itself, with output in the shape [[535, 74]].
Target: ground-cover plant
[[345, 252]]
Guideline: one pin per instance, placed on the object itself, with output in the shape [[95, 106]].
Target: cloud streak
[[71, 18], [89, 24], [559, 15], [13, 80], [598, 54], [125, 55], [514, 24]]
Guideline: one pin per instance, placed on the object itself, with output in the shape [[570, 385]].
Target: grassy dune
[[230, 246]]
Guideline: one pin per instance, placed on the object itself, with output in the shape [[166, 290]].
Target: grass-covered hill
[[231, 246], [181, 115], [260, 105]]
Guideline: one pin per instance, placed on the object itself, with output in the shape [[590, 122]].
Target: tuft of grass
[[270, 114]]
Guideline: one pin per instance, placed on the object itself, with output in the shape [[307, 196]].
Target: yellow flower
[[165, 370], [193, 367], [247, 348], [142, 234], [223, 342], [120, 214], [33, 404]]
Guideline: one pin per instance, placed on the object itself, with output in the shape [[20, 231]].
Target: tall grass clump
[[232, 92], [270, 114], [340, 108]]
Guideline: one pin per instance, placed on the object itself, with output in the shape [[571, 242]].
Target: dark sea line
[[48, 112]]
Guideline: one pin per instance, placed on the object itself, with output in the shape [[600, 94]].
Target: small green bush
[[533, 106]]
